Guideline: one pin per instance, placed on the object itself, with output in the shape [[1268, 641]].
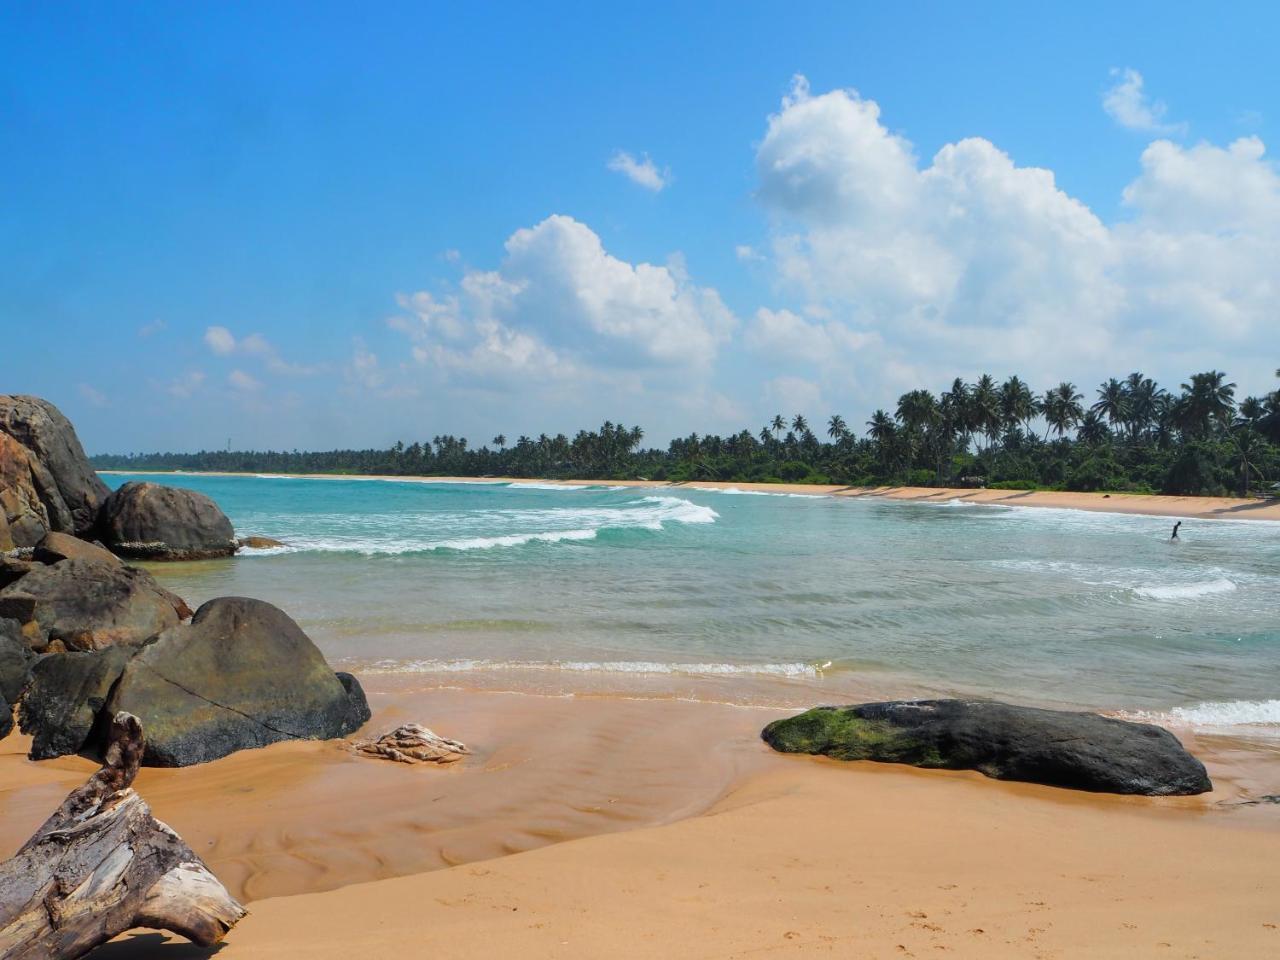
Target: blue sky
[[311, 225]]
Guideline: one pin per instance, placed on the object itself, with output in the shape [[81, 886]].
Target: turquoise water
[[688, 592]]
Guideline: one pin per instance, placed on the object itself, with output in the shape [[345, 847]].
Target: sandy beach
[[1200, 508], [606, 826]]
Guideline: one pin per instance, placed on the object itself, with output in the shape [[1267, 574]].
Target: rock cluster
[[84, 636], [1083, 751]]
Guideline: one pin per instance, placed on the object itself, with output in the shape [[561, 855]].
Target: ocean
[[777, 599]]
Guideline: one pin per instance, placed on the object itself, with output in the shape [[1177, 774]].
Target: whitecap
[[1240, 716], [1186, 591]]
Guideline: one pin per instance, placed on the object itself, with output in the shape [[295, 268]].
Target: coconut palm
[[1250, 450], [1207, 402], [500, 441], [1113, 402], [777, 424], [837, 429], [799, 424], [1018, 405], [1062, 409]]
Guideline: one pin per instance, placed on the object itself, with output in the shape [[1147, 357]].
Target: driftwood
[[101, 865], [412, 743]]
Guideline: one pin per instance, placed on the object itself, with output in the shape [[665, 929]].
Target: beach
[[610, 655], [603, 826], [1201, 508]]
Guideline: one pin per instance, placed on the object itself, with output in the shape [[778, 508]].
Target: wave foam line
[[1186, 591], [734, 491], [1214, 715], [790, 670]]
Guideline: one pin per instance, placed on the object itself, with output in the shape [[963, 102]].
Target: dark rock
[[62, 546], [15, 660], [88, 604], [154, 522], [1082, 751], [240, 675], [260, 543], [358, 712], [12, 570], [76, 493], [65, 697], [6, 718]]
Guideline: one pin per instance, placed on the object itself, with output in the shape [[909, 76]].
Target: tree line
[[1134, 435]]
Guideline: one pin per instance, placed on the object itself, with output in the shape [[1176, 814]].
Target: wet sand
[[1201, 508]]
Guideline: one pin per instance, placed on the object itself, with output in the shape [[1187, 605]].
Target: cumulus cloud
[[970, 259], [224, 343], [220, 340], [643, 172], [559, 304], [1128, 105], [782, 333]]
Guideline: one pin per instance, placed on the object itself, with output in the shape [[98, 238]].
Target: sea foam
[[1186, 591], [1241, 716], [786, 670]]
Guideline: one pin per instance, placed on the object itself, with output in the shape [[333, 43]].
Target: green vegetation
[[839, 733], [1135, 437]]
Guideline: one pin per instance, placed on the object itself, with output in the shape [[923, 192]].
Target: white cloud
[[1128, 105], [746, 253], [224, 343], [970, 260], [559, 305], [220, 340], [151, 329], [643, 172], [243, 382], [364, 368], [95, 397], [784, 334]]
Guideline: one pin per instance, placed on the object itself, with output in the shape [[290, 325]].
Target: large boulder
[[240, 675], [154, 522], [75, 493], [1082, 751], [64, 701], [15, 660], [87, 604], [24, 486], [63, 546]]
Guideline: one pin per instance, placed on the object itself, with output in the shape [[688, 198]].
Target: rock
[[15, 660], [6, 718], [76, 494], [260, 543], [1082, 751], [66, 695], [62, 546], [88, 604], [154, 522], [240, 675], [358, 712], [23, 485], [12, 570]]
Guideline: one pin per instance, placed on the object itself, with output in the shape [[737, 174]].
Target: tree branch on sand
[[101, 865]]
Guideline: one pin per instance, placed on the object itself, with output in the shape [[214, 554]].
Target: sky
[[327, 225]]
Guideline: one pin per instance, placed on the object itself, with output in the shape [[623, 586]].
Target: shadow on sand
[[152, 945]]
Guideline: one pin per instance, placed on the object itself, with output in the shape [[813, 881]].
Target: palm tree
[[881, 430], [1206, 402], [1062, 408], [777, 424], [799, 424], [984, 407], [1250, 450], [1018, 405], [1093, 429], [837, 429], [1113, 402], [500, 441]]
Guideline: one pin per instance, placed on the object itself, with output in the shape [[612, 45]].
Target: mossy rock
[[1082, 751]]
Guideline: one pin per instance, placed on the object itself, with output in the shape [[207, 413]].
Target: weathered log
[[412, 743], [101, 865]]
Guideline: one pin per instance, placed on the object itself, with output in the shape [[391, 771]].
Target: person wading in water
[[1175, 530]]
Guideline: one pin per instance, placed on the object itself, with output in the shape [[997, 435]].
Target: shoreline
[[1161, 505]]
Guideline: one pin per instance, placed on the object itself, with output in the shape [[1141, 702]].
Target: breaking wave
[[1186, 591], [1241, 716]]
